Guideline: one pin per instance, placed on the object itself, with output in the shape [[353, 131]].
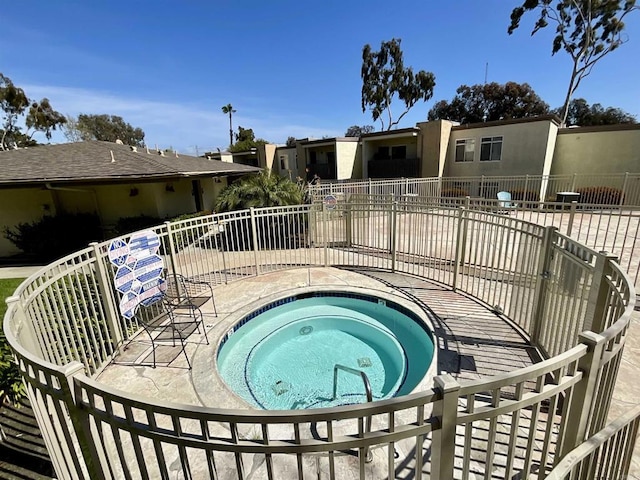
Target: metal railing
[[611, 228], [608, 189], [63, 325], [591, 459], [367, 389]]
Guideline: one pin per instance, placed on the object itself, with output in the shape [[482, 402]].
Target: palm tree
[[265, 189], [228, 108]]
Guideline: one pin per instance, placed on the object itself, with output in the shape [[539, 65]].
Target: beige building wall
[[110, 202], [527, 148], [225, 157], [152, 199], [266, 156], [347, 166], [433, 147], [285, 162], [25, 205], [597, 150]]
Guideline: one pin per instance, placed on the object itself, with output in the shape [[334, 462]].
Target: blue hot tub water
[[284, 357]]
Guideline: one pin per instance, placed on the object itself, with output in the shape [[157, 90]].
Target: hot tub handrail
[[354, 371], [367, 389]]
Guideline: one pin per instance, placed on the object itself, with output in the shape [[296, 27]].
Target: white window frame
[[464, 142], [491, 141]]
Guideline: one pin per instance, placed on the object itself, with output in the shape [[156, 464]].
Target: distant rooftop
[[96, 161]]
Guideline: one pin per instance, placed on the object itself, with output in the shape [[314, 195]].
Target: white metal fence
[[64, 328], [611, 228], [609, 189]]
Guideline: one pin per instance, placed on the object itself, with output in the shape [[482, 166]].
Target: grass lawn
[[7, 287]]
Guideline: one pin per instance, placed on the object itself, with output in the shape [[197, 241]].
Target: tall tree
[[490, 101], [70, 129], [41, 117], [358, 131], [583, 115], [13, 102], [44, 118], [228, 109], [587, 30], [246, 140], [385, 76], [291, 142], [108, 128]]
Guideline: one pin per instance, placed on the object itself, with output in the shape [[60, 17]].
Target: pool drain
[[306, 330]]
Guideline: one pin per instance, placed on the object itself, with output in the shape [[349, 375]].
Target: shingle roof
[[95, 161]]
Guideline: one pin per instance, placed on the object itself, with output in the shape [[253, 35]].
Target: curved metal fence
[[64, 327]]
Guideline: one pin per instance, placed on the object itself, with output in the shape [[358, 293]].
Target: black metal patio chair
[[176, 313]]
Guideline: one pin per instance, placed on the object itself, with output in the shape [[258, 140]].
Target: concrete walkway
[[18, 272]]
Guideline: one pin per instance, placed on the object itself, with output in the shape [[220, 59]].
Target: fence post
[[443, 444], [325, 234], [599, 294], [110, 311], [369, 186], [392, 234], [29, 341], [254, 238], [625, 184], [461, 243], [93, 460], [582, 400], [172, 249], [573, 183], [481, 192], [543, 275], [572, 214], [348, 225]]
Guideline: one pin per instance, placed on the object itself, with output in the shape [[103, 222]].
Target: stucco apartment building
[[529, 146]]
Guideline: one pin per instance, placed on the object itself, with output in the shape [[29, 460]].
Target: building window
[[383, 153], [465, 149], [282, 162], [491, 149], [399, 152]]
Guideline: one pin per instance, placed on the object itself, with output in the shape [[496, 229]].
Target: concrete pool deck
[[473, 342]]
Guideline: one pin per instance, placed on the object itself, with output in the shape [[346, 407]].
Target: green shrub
[[11, 386], [52, 237], [600, 195], [193, 234], [126, 225], [187, 216]]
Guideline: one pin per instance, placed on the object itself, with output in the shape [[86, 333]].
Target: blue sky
[[290, 68]]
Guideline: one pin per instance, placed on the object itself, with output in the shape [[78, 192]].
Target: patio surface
[[473, 342]]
